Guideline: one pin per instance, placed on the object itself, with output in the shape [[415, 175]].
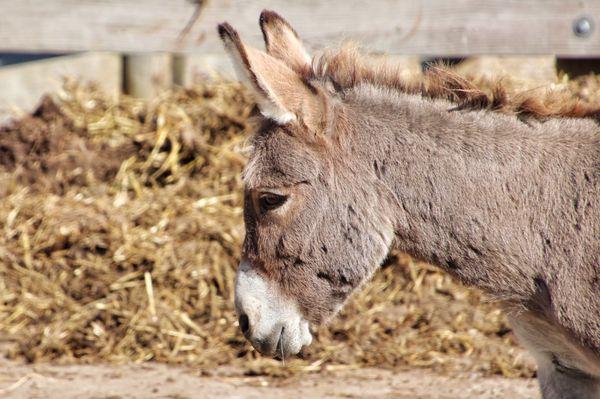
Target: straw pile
[[121, 234]]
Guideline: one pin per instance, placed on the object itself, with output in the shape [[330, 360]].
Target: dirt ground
[[153, 380]]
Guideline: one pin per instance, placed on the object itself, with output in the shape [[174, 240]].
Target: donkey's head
[[316, 224]]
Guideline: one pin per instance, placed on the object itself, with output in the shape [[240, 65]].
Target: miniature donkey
[[502, 192]]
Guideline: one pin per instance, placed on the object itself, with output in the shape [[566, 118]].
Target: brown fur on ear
[[282, 94], [283, 43]]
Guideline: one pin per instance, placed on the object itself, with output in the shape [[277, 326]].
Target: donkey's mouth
[[269, 346], [271, 321]]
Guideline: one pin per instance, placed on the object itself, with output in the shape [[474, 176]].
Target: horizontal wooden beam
[[436, 27]]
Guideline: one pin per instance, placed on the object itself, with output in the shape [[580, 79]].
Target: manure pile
[[121, 232]]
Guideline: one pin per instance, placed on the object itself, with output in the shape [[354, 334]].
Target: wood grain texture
[[146, 75], [435, 27]]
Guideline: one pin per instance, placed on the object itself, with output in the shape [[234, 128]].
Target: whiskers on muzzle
[[271, 321], [280, 347]]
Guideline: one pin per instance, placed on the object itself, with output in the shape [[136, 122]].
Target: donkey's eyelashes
[[270, 201]]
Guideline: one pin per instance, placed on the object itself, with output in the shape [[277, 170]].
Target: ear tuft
[[282, 41], [227, 33], [233, 43], [282, 94], [270, 18], [267, 16]]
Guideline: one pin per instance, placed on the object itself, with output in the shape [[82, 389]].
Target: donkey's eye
[[268, 201]]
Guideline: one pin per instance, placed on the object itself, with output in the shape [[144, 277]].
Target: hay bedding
[[122, 226]]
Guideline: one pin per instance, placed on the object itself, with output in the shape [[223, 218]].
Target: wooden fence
[[436, 27], [166, 40]]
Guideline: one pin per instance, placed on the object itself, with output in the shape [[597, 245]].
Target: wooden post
[[146, 75], [191, 69]]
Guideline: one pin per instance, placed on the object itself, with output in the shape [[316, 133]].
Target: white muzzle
[[270, 321]]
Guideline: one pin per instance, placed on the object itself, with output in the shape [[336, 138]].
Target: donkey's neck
[[475, 190]]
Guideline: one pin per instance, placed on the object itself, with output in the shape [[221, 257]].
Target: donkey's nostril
[[244, 324]]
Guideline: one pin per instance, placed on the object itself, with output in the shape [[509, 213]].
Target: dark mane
[[347, 67]]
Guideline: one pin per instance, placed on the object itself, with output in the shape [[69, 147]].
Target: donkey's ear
[[282, 41], [280, 92]]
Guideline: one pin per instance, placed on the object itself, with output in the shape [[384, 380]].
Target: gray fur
[[506, 204]]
